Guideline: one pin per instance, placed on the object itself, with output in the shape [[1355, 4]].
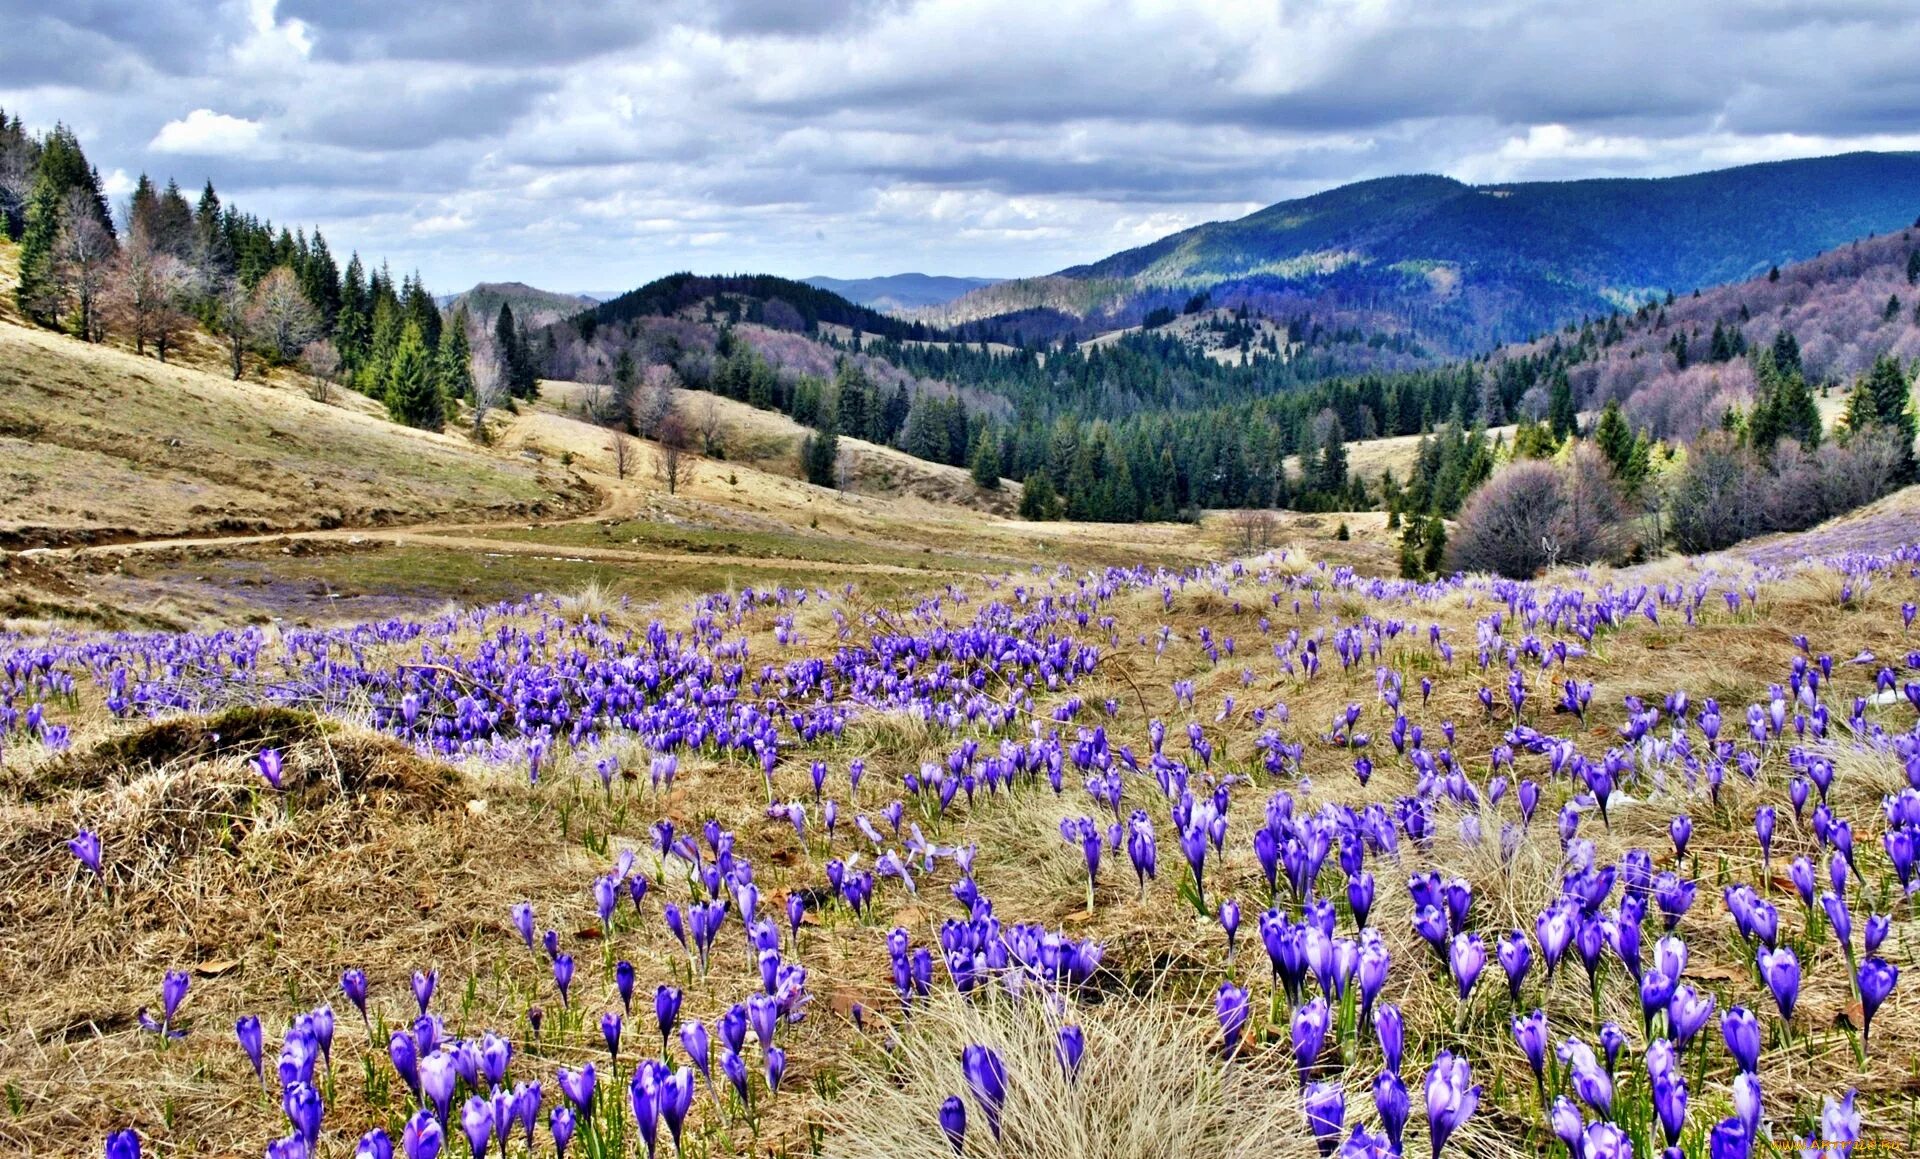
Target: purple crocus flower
[[1876, 979], [1781, 970], [252, 1040], [85, 847], [1310, 1025], [986, 1077], [269, 766], [563, 976], [666, 1011], [1531, 1033], [1605, 1141], [578, 1087], [1680, 829], [1741, 1030], [676, 1099], [1230, 922], [1763, 822], [1515, 958], [423, 984], [1070, 1047], [1730, 1139], [421, 1137], [173, 991], [375, 1144], [1230, 1006], [123, 1145], [1326, 1108], [1391, 1100], [561, 1123], [1567, 1125], [610, 1026], [1391, 1030], [1591, 1081], [953, 1122], [1467, 956], [476, 1121], [523, 921], [1451, 1097]]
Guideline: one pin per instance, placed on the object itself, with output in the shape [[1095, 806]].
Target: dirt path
[[622, 501]]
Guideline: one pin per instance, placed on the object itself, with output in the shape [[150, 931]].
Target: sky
[[591, 145]]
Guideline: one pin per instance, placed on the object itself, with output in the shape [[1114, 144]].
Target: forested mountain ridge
[[898, 293], [1461, 268]]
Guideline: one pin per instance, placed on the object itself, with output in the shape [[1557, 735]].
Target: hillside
[[531, 306], [899, 293], [1836, 306], [100, 445], [1463, 267]]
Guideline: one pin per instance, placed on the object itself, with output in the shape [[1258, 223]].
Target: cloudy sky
[[594, 144]]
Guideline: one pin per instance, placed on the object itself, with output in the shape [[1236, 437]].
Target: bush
[[1532, 516], [1726, 493]]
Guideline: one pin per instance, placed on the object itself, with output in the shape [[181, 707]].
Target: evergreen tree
[[38, 293], [1037, 498], [413, 389], [1614, 437], [1562, 418], [454, 361], [820, 457], [986, 460], [1883, 400]]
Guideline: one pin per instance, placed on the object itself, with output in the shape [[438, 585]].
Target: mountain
[[781, 303], [899, 293], [1676, 366], [1461, 267], [534, 307]]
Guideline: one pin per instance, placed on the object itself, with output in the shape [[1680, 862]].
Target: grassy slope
[[100, 444]]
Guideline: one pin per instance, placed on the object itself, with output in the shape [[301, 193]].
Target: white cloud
[[204, 132]]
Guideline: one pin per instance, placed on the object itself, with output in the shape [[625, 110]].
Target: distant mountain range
[[899, 293], [1460, 268]]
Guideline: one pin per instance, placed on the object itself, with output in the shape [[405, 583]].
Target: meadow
[[1250, 857]]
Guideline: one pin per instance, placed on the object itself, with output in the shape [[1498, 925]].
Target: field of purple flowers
[[1259, 858]]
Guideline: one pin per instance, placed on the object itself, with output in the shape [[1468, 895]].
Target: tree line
[[164, 264]]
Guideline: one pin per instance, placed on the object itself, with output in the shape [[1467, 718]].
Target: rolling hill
[[899, 293], [1464, 267], [534, 307]]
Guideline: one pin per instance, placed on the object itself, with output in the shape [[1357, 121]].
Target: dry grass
[[100, 445], [1151, 1086]]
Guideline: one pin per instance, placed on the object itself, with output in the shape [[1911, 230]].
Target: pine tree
[[1562, 418], [1614, 437], [412, 389], [1037, 498], [38, 293], [1883, 400], [454, 359], [820, 457], [986, 460]]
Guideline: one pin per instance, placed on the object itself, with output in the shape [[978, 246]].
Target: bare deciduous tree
[[321, 360], [232, 321], [710, 425], [282, 319], [673, 464], [654, 397], [491, 387], [1254, 527], [148, 293], [622, 448], [83, 260]]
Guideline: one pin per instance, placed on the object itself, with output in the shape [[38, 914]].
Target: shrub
[[1533, 515], [1726, 493]]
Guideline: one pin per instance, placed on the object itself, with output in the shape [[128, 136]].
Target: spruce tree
[[413, 389], [986, 460], [1562, 418], [1037, 498], [38, 293], [454, 359]]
